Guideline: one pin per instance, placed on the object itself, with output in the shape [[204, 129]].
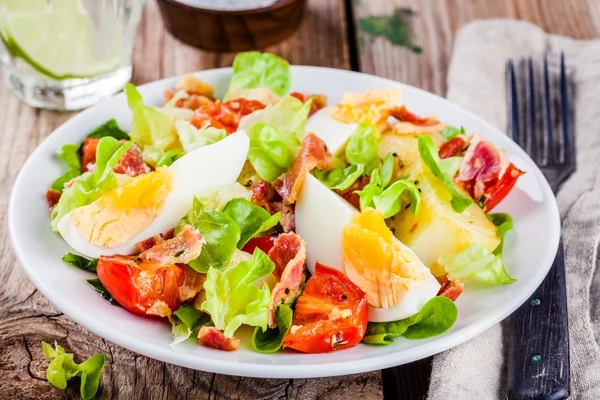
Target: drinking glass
[[67, 54]]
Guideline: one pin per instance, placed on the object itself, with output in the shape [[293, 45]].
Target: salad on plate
[[318, 226]]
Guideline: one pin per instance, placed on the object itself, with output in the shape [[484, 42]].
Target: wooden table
[[407, 40]]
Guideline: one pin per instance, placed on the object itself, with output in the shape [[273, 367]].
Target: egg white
[[198, 173], [320, 219], [334, 133]]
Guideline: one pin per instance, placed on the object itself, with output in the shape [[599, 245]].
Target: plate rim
[[277, 370]]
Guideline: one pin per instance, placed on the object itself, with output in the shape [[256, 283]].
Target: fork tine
[[531, 130], [548, 149], [512, 100], [568, 138]]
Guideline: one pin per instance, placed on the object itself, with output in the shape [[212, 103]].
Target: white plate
[[529, 249]]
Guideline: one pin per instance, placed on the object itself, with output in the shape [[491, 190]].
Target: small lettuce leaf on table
[[251, 219], [436, 317], [233, 298], [268, 153], [503, 223], [187, 321], [62, 368], [270, 340], [220, 232], [193, 138], [91, 185], [476, 264], [254, 70], [444, 170]]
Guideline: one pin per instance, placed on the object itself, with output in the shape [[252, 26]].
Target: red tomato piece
[[452, 147], [132, 163], [52, 197], [88, 153], [496, 193], [330, 314], [225, 115], [265, 243]]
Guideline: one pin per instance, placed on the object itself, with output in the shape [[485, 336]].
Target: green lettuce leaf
[[62, 368], [251, 219], [389, 202], [91, 185], [170, 157], [268, 153], [71, 154], [220, 232], [340, 178], [503, 223], [254, 69], [387, 170], [109, 128], [444, 170], [270, 341], [80, 262], [218, 199], [192, 138], [436, 317], [99, 287], [372, 189], [451, 132], [232, 297], [187, 321], [476, 264], [362, 147]]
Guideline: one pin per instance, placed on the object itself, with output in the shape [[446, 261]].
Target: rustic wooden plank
[[27, 318]]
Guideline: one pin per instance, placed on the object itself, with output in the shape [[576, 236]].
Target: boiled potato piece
[[437, 228]]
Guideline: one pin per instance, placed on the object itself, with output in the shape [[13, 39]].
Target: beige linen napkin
[[476, 81]]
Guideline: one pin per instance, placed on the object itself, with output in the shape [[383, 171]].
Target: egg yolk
[[376, 261], [370, 107], [116, 217]]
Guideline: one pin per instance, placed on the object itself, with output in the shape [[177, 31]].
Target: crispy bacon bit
[[263, 195], [52, 197], [403, 115], [154, 240], [288, 215], [350, 194], [183, 248], [452, 147], [482, 165], [450, 289], [319, 101], [313, 154], [289, 255], [210, 336], [193, 283], [132, 163], [496, 193], [225, 115]]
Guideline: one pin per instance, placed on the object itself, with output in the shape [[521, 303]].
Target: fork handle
[[538, 353]]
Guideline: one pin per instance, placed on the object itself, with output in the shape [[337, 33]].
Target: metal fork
[[538, 353]]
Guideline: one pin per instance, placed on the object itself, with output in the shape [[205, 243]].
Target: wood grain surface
[[412, 45]]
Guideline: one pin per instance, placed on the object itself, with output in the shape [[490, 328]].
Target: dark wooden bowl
[[232, 30]]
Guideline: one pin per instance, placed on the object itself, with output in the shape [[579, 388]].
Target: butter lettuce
[[169, 157], [99, 287], [81, 262], [444, 170], [91, 185], [340, 178], [232, 297], [270, 340], [187, 321], [62, 368], [218, 199], [254, 70], [380, 178], [389, 202], [451, 132], [70, 154], [362, 147], [220, 232], [192, 138], [109, 128], [503, 223], [268, 153], [477, 265], [436, 317], [250, 218]]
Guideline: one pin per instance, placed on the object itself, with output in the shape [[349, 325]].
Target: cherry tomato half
[[495, 194], [265, 243]]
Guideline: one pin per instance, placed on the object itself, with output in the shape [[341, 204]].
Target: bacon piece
[[192, 284], [496, 193], [289, 255], [210, 336], [154, 240], [350, 194], [132, 163], [482, 164], [52, 197], [183, 248], [452, 147], [450, 289], [88, 154], [319, 101], [288, 215], [225, 115], [313, 154], [263, 195], [403, 115]]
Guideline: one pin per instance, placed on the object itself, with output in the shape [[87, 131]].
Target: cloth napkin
[[476, 81]]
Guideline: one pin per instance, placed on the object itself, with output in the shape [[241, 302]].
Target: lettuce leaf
[[71, 154], [192, 138], [362, 147], [170, 157], [270, 341], [187, 321], [80, 262], [451, 132], [99, 287], [436, 317], [254, 69], [503, 223], [387, 170], [444, 170], [232, 297], [372, 189], [62, 368], [220, 232], [268, 153], [389, 202], [218, 199], [476, 264], [251, 219], [91, 185], [109, 128], [340, 178]]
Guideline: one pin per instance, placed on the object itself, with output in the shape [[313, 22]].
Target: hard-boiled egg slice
[[322, 217], [334, 133], [153, 203]]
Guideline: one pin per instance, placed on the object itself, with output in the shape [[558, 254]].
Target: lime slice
[[58, 38]]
